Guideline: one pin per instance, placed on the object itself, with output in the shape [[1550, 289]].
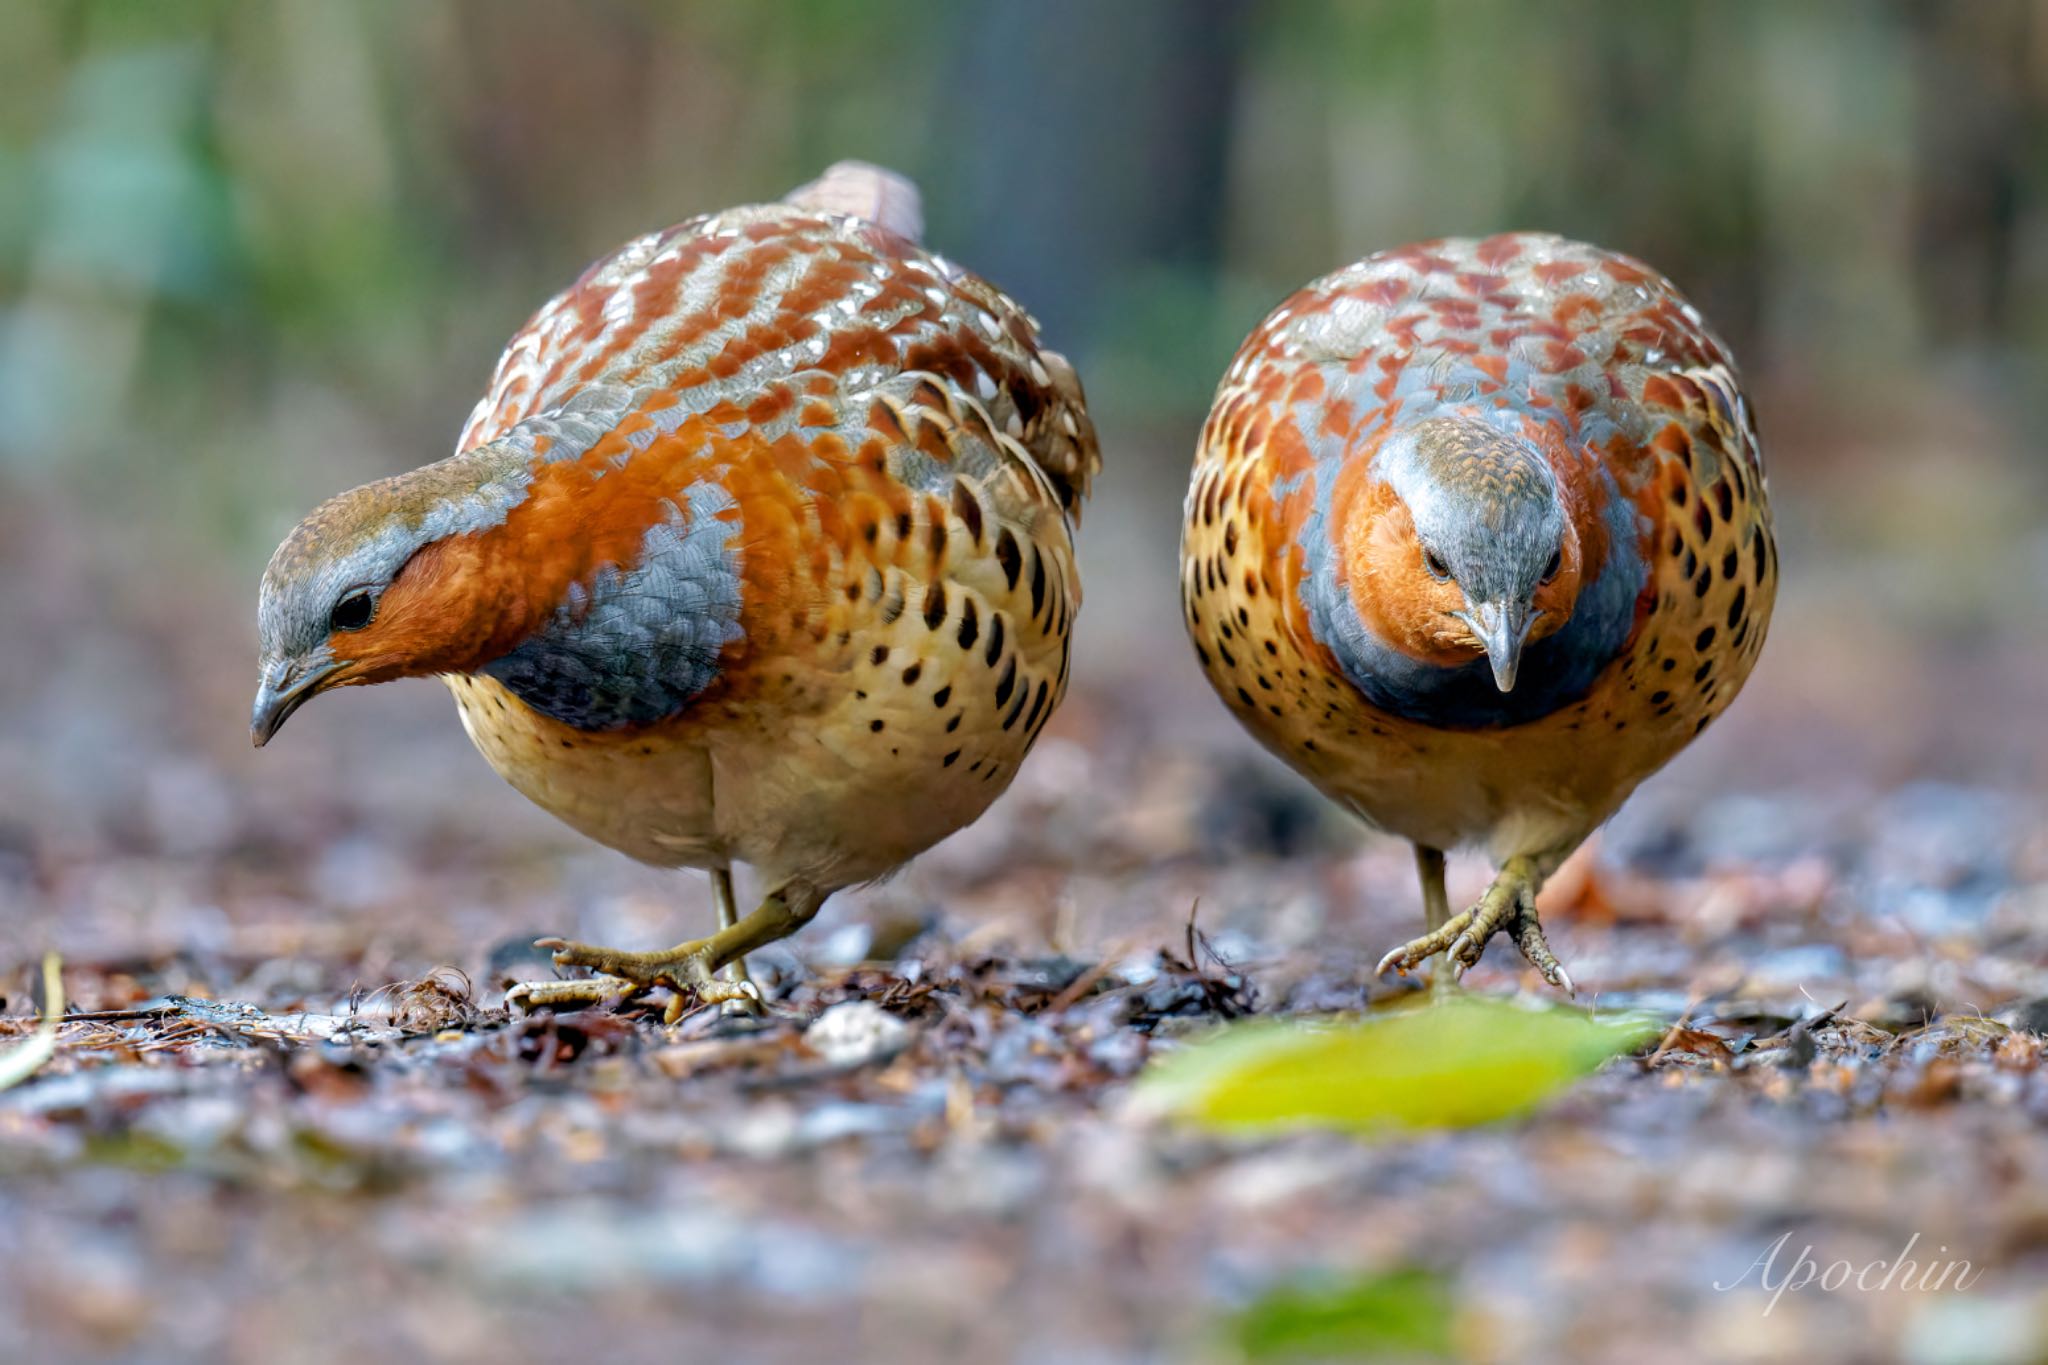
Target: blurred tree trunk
[[1979, 132], [1086, 160]]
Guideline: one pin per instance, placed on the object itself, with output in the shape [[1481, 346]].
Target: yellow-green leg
[[1436, 908], [1509, 904], [728, 916], [688, 969]]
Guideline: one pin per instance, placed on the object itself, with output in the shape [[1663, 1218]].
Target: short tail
[[865, 191]]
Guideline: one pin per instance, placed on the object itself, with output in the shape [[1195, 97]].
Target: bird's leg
[[1509, 904], [1436, 904], [736, 970], [728, 916], [688, 969]]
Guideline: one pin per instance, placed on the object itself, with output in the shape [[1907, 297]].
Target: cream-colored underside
[[1536, 789], [797, 780]]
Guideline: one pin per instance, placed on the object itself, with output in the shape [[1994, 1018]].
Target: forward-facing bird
[[1477, 540], [756, 550]]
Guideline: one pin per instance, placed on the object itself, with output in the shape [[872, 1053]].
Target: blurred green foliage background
[[252, 253]]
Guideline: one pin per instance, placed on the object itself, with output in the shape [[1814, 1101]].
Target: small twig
[[1086, 981], [155, 1011]]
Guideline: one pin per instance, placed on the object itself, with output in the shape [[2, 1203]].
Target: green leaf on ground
[[1403, 1314], [1452, 1064]]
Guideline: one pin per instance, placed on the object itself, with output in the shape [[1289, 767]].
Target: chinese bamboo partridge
[[1477, 540], [756, 550]]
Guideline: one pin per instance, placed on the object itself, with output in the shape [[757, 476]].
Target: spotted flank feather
[[756, 548], [1478, 538]]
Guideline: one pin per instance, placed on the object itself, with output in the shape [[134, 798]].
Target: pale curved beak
[[1502, 627], [286, 686]]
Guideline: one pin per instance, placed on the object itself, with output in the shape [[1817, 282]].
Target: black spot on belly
[[995, 639], [1230, 537], [881, 655], [954, 723], [935, 607], [950, 759], [1703, 519], [1037, 583], [1704, 639], [1730, 562], [1738, 606], [913, 673], [1012, 559], [1724, 498], [970, 624], [942, 696], [967, 507], [1037, 705], [1007, 683], [875, 726]]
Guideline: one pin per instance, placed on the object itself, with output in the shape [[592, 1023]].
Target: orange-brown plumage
[[757, 549], [1478, 539]]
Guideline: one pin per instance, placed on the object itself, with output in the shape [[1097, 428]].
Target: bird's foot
[[1510, 905], [687, 970]]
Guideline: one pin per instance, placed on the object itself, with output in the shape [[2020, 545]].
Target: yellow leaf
[[1463, 1061], [25, 1060]]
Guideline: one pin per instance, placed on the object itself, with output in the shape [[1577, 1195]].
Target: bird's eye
[[353, 612], [1437, 568], [1556, 563]]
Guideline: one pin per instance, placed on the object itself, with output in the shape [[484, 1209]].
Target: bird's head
[[1463, 544], [380, 582]]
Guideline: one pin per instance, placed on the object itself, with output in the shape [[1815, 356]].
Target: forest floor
[[289, 1119]]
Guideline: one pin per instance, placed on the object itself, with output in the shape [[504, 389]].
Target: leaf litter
[[286, 1087]]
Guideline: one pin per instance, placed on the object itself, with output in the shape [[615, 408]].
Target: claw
[[529, 996], [741, 995], [1528, 934], [1509, 905], [685, 971]]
